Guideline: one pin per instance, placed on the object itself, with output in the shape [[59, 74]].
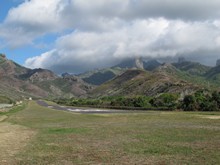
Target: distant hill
[[100, 76], [193, 68], [164, 79], [151, 65], [131, 63], [18, 82], [131, 77], [214, 74]]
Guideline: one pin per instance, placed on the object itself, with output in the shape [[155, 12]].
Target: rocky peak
[[139, 63]]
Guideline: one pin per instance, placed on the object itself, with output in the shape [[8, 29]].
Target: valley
[[132, 116], [109, 82], [139, 84]]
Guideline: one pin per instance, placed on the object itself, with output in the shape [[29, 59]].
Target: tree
[[189, 103], [216, 98]]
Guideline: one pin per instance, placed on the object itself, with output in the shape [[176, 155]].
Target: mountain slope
[[139, 82], [131, 63], [213, 75], [100, 76], [193, 68], [151, 65], [18, 82]]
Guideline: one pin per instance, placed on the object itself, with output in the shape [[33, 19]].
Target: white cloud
[[104, 31], [42, 60], [35, 18], [155, 38], [30, 20]]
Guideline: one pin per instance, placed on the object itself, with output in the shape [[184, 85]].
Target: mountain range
[[17, 82], [130, 77]]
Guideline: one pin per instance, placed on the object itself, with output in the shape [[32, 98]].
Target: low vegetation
[[154, 137], [5, 100], [201, 100], [110, 101]]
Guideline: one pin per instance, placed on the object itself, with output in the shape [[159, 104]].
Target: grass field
[[38, 135]]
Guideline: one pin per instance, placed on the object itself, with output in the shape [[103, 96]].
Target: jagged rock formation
[[139, 63]]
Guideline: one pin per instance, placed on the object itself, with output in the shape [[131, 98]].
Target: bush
[[5, 100], [202, 101], [189, 103], [165, 100]]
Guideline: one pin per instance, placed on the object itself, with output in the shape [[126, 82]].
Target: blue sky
[[20, 54], [79, 35]]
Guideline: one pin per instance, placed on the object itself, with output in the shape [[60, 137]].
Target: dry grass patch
[[141, 138], [3, 117], [13, 139], [209, 116]]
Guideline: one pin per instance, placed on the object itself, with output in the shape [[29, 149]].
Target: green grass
[[136, 138], [66, 130], [5, 100]]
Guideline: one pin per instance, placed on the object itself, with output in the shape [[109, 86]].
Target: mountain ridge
[[18, 82], [138, 77]]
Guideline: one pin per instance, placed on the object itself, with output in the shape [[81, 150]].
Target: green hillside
[[100, 76], [192, 68], [164, 79]]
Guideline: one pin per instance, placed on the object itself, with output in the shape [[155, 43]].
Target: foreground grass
[[141, 138], [13, 138]]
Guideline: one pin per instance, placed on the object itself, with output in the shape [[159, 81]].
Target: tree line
[[201, 100]]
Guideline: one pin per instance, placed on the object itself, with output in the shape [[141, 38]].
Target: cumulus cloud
[[154, 38], [30, 20], [106, 31], [172, 9]]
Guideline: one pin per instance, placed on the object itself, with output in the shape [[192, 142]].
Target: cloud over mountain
[[102, 32]]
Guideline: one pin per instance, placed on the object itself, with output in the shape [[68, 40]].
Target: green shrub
[[165, 100], [189, 103], [5, 100]]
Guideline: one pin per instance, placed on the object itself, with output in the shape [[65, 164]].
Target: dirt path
[[13, 139]]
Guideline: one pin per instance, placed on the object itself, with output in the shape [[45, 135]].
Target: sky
[[79, 35]]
